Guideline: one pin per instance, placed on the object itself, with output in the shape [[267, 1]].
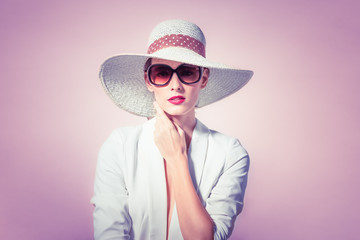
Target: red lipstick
[[176, 99]]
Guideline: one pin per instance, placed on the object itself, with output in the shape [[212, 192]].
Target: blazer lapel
[[152, 160], [197, 153]]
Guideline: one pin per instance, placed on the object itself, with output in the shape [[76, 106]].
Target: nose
[[175, 83]]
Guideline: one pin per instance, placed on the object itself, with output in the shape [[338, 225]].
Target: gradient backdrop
[[298, 117]]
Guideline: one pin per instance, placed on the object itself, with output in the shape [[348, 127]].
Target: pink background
[[298, 117]]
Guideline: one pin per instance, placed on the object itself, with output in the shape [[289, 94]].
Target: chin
[[177, 111]]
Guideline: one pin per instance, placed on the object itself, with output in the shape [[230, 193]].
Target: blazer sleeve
[[226, 198], [111, 213]]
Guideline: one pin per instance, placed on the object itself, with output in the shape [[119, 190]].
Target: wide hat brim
[[122, 77]]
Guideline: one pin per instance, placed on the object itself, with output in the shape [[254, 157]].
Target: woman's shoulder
[[125, 132], [219, 138], [225, 144], [226, 141], [222, 138], [124, 135], [120, 141]]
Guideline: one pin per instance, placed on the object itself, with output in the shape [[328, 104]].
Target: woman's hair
[[147, 64]]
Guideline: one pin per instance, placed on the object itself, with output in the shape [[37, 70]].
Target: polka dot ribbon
[[177, 40]]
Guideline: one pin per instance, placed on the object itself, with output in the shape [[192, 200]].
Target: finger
[[179, 129], [158, 109], [161, 114]]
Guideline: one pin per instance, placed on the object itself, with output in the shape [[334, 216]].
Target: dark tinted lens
[[160, 74], [188, 74]]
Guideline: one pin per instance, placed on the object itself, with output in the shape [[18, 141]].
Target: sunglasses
[[161, 74]]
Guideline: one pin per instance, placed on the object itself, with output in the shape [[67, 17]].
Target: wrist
[[177, 162]]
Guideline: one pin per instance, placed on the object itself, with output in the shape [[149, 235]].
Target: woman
[[172, 177]]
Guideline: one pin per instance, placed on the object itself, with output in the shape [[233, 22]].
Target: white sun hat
[[122, 76]]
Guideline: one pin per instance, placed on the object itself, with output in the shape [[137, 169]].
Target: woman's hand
[[168, 136], [195, 222]]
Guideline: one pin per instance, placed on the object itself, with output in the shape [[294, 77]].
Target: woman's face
[[176, 98]]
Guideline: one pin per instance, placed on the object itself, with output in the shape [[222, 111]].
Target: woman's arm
[[111, 213], [195, 222], [226, 199]]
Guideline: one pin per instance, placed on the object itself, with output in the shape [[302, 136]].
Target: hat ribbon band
[[177, 40]]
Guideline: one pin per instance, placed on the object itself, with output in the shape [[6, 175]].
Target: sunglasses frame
[[172, 73]]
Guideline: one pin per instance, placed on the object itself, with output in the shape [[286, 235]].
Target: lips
[[176, 99]]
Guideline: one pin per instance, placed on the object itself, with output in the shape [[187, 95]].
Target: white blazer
[[130, 195]]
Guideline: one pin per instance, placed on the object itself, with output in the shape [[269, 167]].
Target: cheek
[[160, 99], [195, 94]]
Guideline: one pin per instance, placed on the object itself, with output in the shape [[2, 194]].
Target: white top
[[130, 188]]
